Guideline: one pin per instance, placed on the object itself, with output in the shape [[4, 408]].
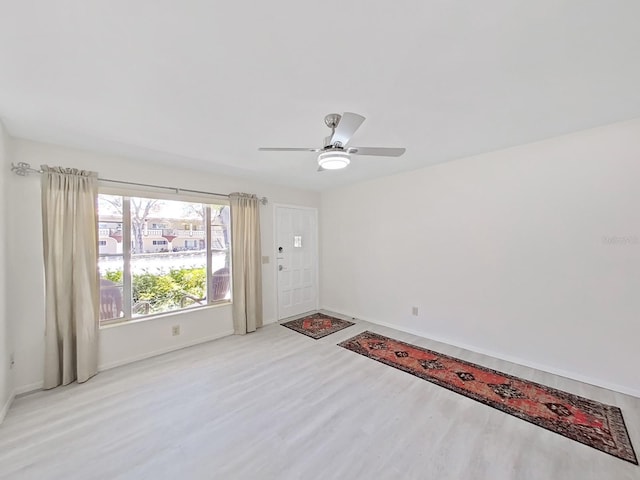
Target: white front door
[[297, 260]]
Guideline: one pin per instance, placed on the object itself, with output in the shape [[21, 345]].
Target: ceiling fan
[[336, 153]]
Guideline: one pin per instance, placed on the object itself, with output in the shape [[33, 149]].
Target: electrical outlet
[[175, 330], [414, 311]]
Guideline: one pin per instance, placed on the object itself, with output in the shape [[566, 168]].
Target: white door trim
[[275, 253]]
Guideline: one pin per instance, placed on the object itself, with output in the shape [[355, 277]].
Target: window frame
[[127, 298]]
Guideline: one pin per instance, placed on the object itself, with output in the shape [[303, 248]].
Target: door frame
[[275, 253]]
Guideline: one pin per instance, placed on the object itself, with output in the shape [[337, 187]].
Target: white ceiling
[[204, 83]]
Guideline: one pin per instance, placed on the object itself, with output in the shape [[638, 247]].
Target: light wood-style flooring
[[276, 404]]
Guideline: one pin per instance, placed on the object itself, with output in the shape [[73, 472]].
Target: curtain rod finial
[[23, 169], [264, 200]]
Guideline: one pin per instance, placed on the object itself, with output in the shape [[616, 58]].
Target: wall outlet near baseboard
[[175, 330], [414, 311]]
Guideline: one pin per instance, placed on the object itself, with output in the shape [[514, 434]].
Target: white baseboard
[[38, 385], [6, 406], [634, 392], [28, 388], [154, 353]]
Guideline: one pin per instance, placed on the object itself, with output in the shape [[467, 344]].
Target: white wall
[[6, 384], [530, 254], [120, 344]]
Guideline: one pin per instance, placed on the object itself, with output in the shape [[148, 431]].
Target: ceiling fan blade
[[349, 123], [286, 149], [377, 151]]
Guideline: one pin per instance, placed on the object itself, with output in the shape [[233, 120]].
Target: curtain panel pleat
[[71, 282], [246, 263]]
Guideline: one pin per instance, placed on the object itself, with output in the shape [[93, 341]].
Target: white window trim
[[126, 194]]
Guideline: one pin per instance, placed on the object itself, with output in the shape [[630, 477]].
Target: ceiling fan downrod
[[331, 120]]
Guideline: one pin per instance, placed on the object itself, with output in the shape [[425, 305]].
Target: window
[[156, 256]]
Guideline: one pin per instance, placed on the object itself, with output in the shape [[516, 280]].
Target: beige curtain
[[246, 264], [70, 256]]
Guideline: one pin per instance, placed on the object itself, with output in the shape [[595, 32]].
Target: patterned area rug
[[317, 325], [593, 423]]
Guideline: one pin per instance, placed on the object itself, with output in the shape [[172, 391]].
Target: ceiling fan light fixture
[[333, 160]]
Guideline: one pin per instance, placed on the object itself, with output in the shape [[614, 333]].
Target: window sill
[[118, 322]]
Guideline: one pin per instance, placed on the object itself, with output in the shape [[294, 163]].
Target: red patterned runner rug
[[589, 422], [317, 325]]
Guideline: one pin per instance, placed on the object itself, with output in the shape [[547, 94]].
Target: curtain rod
[[23, 169]]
